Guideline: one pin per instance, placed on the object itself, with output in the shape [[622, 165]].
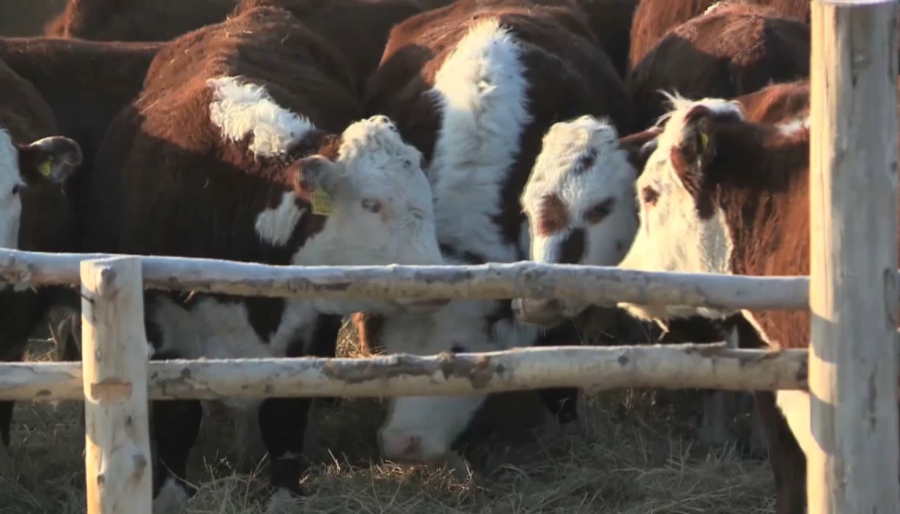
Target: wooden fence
[[852, 294]]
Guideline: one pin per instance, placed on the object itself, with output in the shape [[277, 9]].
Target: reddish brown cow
[[734, 50], [475, 86], [35, 213], [721, 194], [136, 20], [653, 19], [245, 145]]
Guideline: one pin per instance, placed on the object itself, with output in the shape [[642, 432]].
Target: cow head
[[380, 203], [25, 168], [682, 229], [422, 429], [580, 204]]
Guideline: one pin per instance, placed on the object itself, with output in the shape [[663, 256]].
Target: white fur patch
[[276, 226], [10, 204], [672, 236], [437, 420], [795, 406], [240, 108], [171, 498], [794, 126], [482, 93]]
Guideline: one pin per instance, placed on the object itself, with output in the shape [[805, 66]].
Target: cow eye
[[649, 195], [15, 189], [370, 205]]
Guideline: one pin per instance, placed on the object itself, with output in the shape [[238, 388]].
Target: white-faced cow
[[35, 213], [733, 50], [654, 19], [241, 129], [721, 194], [474, 86]]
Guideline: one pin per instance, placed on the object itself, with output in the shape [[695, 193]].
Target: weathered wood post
[[114, 349], [852, 465]]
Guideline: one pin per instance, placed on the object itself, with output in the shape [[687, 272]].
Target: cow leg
[[787, 459], [283, 423], [174, 427]]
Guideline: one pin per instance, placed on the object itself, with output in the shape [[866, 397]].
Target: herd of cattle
[[649, 134]]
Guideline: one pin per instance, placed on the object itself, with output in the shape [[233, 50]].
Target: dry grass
[[641, 461]]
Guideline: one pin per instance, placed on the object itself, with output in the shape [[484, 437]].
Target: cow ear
[[696, 149], [640, 147], [315, 174], [51, 159]]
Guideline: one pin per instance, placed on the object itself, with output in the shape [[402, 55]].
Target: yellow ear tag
[[704, 141], [44, 168], [321, 203]]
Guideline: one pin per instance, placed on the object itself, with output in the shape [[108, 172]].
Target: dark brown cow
[[35, 213], [653, 19], [735, 195], [244, 145], [85, 82], [474, 86], [734, 50], [136, 20]]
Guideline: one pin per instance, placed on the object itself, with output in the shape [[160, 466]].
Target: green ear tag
[[44, 168], [321, 203], [704, 140]]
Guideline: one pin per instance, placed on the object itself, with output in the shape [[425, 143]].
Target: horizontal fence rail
[[679, 366], [592, 284]]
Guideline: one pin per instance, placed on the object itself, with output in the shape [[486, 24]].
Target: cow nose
[[398, 446]]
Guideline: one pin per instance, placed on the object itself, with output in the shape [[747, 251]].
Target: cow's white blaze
[[481, 91], [10, 201], [582, 164], [672, 236], [241, 108]]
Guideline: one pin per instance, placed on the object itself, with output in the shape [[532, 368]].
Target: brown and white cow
[[721, 194], [135, 20], [246, 144], [474, 86], [35, 213], [733, 50], [653, 19]]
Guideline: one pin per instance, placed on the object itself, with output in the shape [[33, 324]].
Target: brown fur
[[358, 28], [777, 103], [653, 19], [136, 20], [735, 50]]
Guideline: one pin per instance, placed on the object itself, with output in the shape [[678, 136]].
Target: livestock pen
[[850, 370]]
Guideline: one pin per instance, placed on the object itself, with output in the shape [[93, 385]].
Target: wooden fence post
[[852, 465], [114, 348]]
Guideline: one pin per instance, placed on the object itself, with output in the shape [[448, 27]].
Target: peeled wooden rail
[[592, 284], [592, 368]]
